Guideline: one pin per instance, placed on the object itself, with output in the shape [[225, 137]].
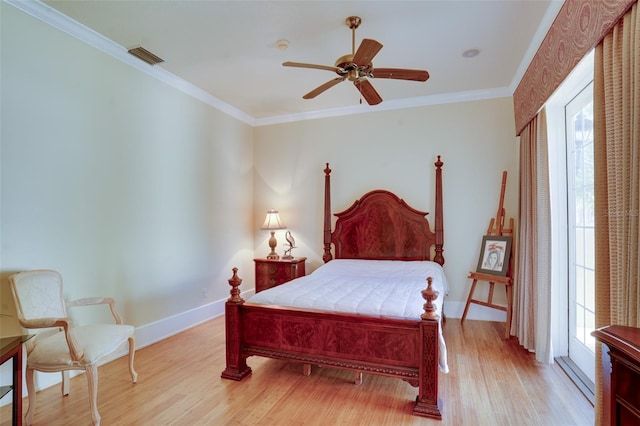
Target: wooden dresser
[[621, 369], [273, 272]]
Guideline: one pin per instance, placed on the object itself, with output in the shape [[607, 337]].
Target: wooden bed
[[378, 226]]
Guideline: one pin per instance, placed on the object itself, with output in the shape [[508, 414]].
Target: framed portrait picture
[[494, 255]]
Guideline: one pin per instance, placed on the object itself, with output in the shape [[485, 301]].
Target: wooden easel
[[496, 227]]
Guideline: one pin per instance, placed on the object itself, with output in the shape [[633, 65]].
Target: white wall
[[128, 187], [393, 150]]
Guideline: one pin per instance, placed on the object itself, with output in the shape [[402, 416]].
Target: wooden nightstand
[[273, 272]]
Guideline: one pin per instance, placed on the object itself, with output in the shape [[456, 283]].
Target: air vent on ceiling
[[145, 55]]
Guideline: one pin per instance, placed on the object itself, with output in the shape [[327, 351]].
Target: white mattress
[[368, 287]]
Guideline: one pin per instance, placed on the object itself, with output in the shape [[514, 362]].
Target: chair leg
[[31, 391], [132, 352], [65, 383], [92, 381]]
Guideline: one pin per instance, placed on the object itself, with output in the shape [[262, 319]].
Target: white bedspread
[[368, 287]]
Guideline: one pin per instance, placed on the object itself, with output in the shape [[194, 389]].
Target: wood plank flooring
[[492, 382]]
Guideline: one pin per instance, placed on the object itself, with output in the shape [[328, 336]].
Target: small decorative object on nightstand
[[273, 272], [291, 244]]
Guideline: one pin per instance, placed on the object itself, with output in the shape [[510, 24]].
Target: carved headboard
[[382, 226]]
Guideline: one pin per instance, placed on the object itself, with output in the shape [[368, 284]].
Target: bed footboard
[[393, 347]]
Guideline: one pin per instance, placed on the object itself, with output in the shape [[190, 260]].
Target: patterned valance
[[579, 26]]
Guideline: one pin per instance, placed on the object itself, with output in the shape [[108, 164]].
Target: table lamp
[[272, 222]]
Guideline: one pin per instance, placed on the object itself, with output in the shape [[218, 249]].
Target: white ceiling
[[228, 48]]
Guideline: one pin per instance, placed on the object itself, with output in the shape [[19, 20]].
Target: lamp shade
[[272, 221]]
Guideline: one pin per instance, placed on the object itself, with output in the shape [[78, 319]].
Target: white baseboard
[[476, 312]]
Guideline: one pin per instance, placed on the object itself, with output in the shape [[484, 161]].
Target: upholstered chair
[[58, 345]]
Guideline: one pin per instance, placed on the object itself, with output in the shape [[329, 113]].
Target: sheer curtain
[[617, 190], [532, 290]]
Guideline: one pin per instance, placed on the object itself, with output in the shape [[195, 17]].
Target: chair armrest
[[66, 324], [90, 301], [87, 301], [46, 322]]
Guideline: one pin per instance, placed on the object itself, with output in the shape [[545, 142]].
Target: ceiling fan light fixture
[[353, 75]]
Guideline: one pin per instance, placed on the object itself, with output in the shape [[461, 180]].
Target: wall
[[393, 150], [128, 187]]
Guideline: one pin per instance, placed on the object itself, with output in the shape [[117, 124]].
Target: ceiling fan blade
[[329, 84], [368, 92], [400, 74], [366, 51], [314, 66]]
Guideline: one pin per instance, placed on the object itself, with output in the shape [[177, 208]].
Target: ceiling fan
[[357, 67]]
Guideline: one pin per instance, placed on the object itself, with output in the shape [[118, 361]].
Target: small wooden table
[[11, 347]]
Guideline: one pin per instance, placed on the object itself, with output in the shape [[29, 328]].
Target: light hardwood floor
[[492, 382]]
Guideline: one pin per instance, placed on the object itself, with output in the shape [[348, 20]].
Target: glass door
[[580, 208]]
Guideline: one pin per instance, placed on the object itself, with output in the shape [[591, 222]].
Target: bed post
[[327, 215], [439, 225], [427, 402], [237, 368]]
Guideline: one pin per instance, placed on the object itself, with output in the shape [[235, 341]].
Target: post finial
[[429, 294], [235, 282]]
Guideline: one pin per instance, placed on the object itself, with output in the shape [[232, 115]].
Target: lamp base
[[273, 243]]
